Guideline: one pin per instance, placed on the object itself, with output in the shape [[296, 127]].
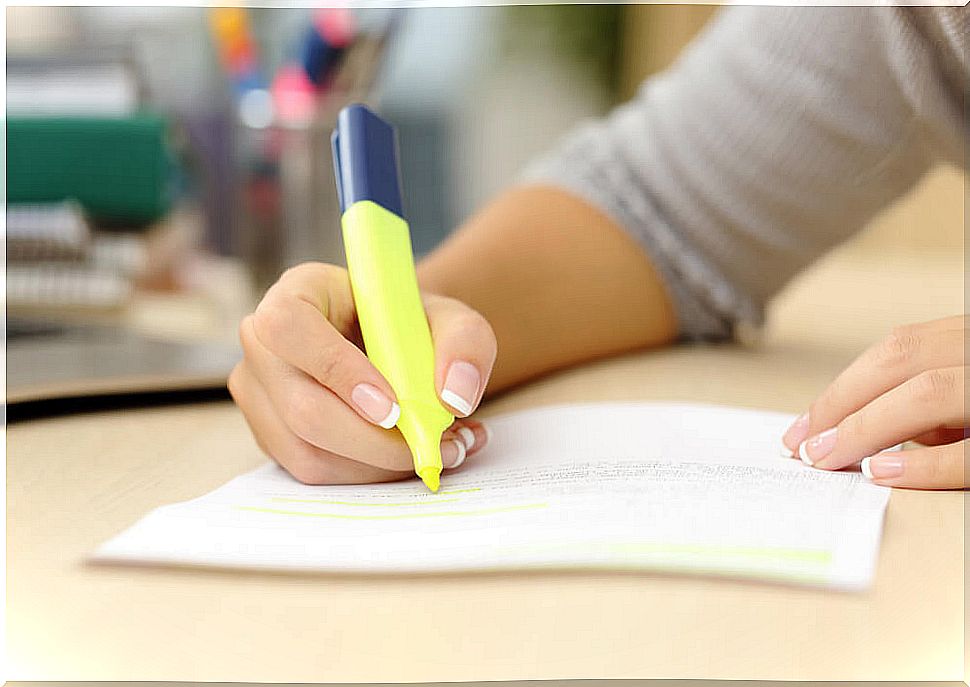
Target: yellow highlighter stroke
[[398, 516], [430, 502]]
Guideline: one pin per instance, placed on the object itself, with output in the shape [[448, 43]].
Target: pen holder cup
[[288, 212]]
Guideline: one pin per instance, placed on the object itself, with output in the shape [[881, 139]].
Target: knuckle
[[815, 407], [301, 414], [855, 425], [898, 348], [820, 411], [933, 386], [331, 363], [246, 330], [304, 268], [270, 320], [315, 272], [904, 330]]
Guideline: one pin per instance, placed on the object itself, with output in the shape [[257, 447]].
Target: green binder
[[119, 169]]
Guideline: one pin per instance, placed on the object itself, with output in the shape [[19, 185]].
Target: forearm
[[758, 151], [558, 280]]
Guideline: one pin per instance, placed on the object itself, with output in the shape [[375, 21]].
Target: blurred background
[[164, 165], [186, 150]]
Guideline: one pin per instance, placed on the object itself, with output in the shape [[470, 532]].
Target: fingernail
[[461, 387], [813, 450], [797, 433], [376, 405], [882, 466], [467, 436], [452, 453]]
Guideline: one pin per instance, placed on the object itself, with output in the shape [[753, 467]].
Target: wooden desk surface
[[75, 481]]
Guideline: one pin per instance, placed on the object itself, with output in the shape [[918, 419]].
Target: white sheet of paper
[[645, 486]]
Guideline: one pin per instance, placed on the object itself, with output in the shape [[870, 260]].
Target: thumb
[[465, 350]]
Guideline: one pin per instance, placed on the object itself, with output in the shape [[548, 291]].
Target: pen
[[237, 48], [377, 242], [327, 39]]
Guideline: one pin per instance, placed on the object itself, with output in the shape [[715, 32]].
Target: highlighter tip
[[431, 479]]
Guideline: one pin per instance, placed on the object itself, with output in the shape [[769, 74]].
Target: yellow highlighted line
[[398, 516], [432, 502]]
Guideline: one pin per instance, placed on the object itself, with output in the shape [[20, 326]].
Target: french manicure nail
[[461, 387], [452, 453], [467, 436], [882, 466], [376, 405], [796, 433], [815, 449]]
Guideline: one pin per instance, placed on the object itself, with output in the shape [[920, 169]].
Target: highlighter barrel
[[394, 325]]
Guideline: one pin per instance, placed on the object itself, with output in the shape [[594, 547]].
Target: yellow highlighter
[[377, 242]]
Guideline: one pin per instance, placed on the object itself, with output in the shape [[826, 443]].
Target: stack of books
[[55, 262]]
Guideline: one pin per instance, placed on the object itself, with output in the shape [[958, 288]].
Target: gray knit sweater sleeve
[[778, 133]]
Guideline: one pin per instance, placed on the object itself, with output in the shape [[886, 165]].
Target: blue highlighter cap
[[365, 160]]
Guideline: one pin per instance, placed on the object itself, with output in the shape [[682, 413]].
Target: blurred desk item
[[134, 314], [58, 266], [76, 481], [55, 262], [330, 33], [60, 287], [102, 82], [288, 216], [118, 168], [56, 231], [47, 360], [76, 131], [234, 41]]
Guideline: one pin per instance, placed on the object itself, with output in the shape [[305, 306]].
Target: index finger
[[905, 353], [306, 319]]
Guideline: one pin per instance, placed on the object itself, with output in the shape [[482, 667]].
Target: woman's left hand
[[908, 387]]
